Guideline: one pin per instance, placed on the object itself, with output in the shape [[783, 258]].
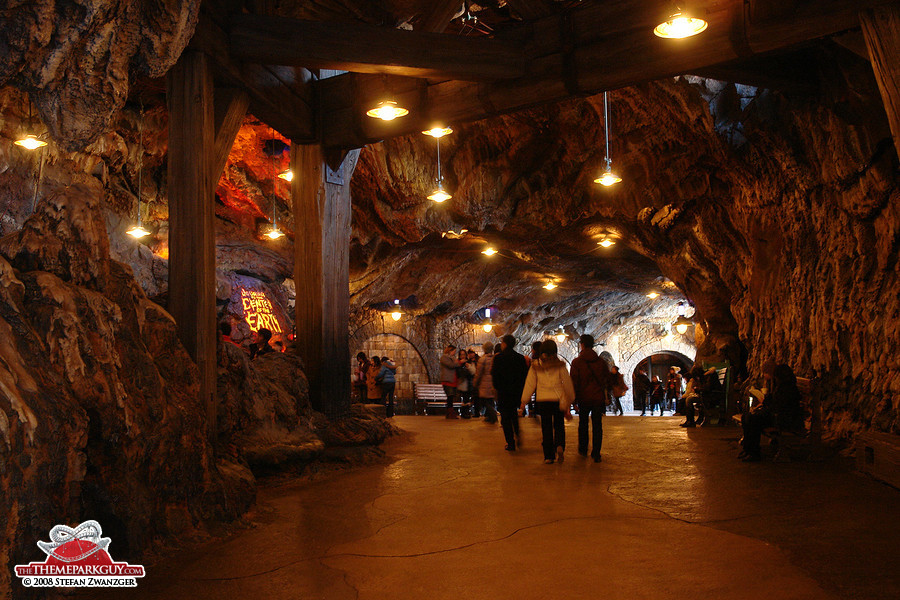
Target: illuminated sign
[[258, 311]]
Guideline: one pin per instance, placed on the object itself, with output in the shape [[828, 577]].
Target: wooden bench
[[716, 412], [431, 396], [878, 455]]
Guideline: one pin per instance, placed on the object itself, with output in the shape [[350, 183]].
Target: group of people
[[511, 379], [656, 394], [375, 379], [262, 343]]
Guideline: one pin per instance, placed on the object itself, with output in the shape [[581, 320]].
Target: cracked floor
[[669, 513]]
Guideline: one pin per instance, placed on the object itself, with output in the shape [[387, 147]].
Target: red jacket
[[592, 378]]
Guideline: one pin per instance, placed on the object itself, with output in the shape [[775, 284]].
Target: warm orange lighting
[[439, 195], [438, 132], [653, 295], [679, 26], [387, 111], [396, 315], [287, 175], [137, 232], [454, 235], [608, 178], [681, 324], [487, 327], [489, 251], [274, 233], [560, 337], [30, 142], [550, 286]]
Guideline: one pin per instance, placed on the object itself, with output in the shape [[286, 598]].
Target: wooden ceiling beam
[[531, 10], [442, 12], [363, 48], [280, 97], [576, 56]]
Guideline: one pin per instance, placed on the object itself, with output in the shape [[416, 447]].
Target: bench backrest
[[430, 391], [723, 370]]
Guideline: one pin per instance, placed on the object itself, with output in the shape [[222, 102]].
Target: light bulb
[[560, 337], [396, 315], [550, 286], [487, 327], [387, 111], [438, 132], [679, 26], [274, 233], [439, 195], [287, 175], [30, 142], [489, 251], [653, 295], [608, 178], [606, 242], [681, 328], [137, 232]]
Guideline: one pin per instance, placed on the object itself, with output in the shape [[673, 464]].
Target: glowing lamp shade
[[137, 232], [487, 327], [30, 142], [396, 315], [387, 111], [550, 286], [560, 337], [607, 241], [287, 175], [681, 324], [274, 233], [489, 251], [653, 295], [679, 26], [608, 178], [439, 195], [438, 131]]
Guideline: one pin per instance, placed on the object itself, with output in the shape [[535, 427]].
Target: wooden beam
[[531, 10], [192, 245], [363, 48], [442, 12], [230, 110], [881, 28], [278, 96], [601, 46], [321, 204]]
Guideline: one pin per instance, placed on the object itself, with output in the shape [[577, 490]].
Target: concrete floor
[[669, 513]]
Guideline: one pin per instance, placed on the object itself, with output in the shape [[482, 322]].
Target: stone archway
[[412, 331], [662, 345], [411, 367]]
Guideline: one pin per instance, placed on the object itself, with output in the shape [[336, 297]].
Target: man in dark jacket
[[642, 385], [509, 372], [591, 380]]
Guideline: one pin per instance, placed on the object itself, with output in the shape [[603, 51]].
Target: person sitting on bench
[[779, 409]]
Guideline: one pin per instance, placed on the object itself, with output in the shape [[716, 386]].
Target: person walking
[[673, 391], [657, 396], [549, 380], [484, 383], [449, 378], [465, 372], [642, 386], [388, 381], [591, 378], [508, 372], [617, 390]]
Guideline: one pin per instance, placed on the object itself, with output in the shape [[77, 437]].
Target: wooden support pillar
[[321, 204], [881, 29], [192, 249]]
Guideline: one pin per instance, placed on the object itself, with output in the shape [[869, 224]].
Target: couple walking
[[556, 391]]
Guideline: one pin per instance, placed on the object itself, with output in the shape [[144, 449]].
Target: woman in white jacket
[[549, 379]]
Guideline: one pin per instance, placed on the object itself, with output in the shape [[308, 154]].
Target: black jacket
[[509, 372], [642, 384]]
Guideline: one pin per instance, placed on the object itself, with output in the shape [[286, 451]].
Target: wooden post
[[192, 249], [881, 29], [321, 204]]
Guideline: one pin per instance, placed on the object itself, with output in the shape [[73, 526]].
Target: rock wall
[[99, 410]]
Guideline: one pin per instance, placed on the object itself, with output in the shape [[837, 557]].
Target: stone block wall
[[410, 367]]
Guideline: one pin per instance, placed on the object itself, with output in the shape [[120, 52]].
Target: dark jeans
[[616, 405], [595, 413], [450, 391], [465, 397], [753, 424], [387, 396], [658, 401], [509, 419], [553, 428], [490, 413], [640, 401]]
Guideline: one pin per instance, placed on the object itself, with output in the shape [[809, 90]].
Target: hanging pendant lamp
[[679, 23], [138, 231], [30, 141], [608, 178], [274, 233], [439, 194]]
